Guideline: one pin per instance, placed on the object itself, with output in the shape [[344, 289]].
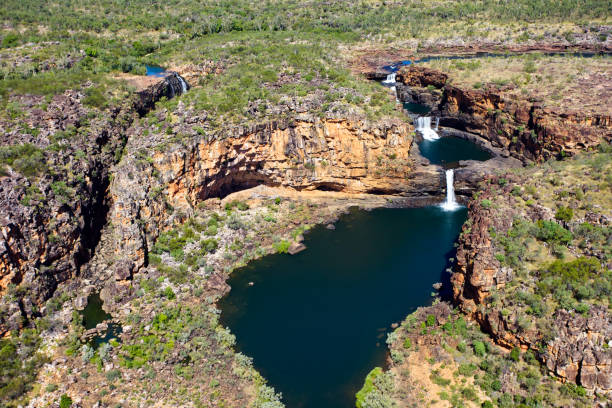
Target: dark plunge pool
[[447, 151], [315, 323]]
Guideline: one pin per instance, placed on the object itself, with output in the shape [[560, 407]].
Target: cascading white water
[[451, 201], [390, 79], [423, 126], [183, 84], [437, 123]]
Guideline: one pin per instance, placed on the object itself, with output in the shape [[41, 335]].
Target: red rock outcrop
[[578, 351], [344, 155], [524, 129]]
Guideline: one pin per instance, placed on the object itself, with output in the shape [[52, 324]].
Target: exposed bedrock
[[524, 129], [50, 224], [306, 153], [578, 352]]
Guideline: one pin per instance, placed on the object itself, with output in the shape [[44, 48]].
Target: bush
[[564, 214], [576, 271], [515, 354], [486, 203], [168, 293], [95, 98], [550, 231], [27, 159], [467, 370], [282, 247], [10, 40], [65, 401], [368, 387], [479, 348]]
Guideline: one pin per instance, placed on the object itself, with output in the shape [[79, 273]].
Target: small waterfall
[[451, 201], [390, 79], [423, 126], [175, 84], [184, 87], [437, 123]]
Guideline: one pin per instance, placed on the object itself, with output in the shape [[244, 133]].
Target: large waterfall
[[451, 201], [423, 126]]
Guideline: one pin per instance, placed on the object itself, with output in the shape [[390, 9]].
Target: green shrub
[[479, 348], [485, 203], [407, 343], [550, 231], [94, 97], [564, 214], [515, 354], [431, 320], [10, 40], [368, 387], [168, 293], [469, 394], [65, 401], [467, 370], [282, 247], [26, 158]]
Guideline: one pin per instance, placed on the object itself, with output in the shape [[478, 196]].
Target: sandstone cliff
[[160, 180], [525, 129], [54, 199], [499, 267]]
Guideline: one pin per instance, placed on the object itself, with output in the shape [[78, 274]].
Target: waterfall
[[423, 126], [175, 84], [184, 85], [451, 202], [437, 123], [390, 79]]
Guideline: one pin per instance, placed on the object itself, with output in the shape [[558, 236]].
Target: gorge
[[211, 206]]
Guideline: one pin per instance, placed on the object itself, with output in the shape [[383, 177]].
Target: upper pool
[[448, 151], [315, 323]]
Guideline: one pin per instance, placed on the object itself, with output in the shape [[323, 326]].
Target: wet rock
[[330, 227]]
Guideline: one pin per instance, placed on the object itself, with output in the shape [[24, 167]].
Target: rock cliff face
[[575, 347], [153, 186], [524, 129], [51, 221], [160, 174]]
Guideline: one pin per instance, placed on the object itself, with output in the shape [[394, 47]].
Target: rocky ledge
[[507, 279], [522, 128]]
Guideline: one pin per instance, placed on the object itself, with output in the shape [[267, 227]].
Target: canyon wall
[[526, 130], [115, 181], [151, 190], [578, 350], [53, 201]]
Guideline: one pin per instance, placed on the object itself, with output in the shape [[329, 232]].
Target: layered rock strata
[[526, 130]]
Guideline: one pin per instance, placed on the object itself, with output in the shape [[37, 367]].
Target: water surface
[[417, 108], [153, 70], [315, 323], [93, 314], [447, 151]]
